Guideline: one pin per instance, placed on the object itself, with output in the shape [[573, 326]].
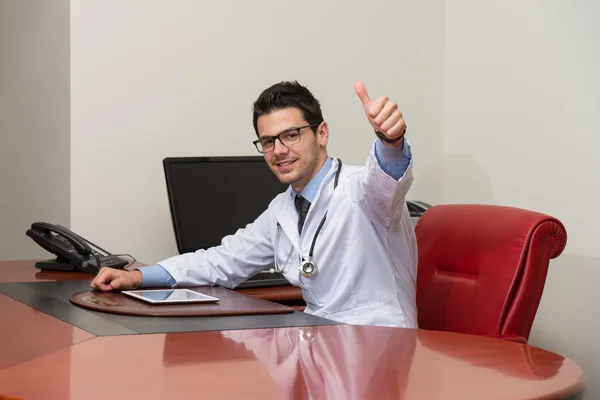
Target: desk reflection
[[513, 359], [333, 362]]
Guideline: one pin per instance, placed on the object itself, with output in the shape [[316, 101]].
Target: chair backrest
[[482, 268]]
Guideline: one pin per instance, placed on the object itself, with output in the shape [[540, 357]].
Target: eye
[[266, 142], [292, 135]]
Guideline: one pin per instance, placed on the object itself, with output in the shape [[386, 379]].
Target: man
[[341, 233]]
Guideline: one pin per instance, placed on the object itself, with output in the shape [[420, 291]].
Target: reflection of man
[[334, 362], [342, 233]]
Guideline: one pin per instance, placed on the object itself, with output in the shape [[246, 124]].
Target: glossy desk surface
[[332, 362], [42, 357], [25, 271]]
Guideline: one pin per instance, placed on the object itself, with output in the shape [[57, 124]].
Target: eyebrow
[[284, 131]]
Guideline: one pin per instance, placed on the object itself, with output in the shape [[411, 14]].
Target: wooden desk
[[25, 271], [333, 362], [45, 358]]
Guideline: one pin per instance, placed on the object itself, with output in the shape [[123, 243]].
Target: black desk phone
[[73, 253]]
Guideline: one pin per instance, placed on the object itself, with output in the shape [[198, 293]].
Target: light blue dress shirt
[[393, 161], [312, 187]]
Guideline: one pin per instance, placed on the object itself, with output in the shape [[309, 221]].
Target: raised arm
[[387, 176]]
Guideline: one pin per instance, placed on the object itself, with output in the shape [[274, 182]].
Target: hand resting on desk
[[114, 279]]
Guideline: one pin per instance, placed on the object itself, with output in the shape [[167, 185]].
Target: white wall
[[522, 100], [151, 80], [34, 121]]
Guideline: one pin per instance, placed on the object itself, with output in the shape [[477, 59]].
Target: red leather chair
[[482, 268]]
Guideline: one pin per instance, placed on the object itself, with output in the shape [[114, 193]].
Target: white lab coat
[[366, 252]]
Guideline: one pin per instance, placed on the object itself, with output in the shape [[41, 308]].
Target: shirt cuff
[[156, 276], [394, 161]]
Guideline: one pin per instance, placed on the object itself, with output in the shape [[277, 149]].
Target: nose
[[279, 148]]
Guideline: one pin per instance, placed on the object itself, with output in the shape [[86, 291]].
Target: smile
[[285, 163]]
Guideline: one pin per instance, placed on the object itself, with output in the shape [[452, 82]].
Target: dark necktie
[[302, 205]]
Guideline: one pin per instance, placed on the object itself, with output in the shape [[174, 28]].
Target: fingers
[[112, 279], [385, 113], [390, 121], [361, 91], [397, 130], [386, 118], [376, 107], [123, 280], [103, 280]]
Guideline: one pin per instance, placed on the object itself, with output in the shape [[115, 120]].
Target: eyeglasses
[[289, 137]]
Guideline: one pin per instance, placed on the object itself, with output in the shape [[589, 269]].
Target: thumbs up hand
[[384, 116]]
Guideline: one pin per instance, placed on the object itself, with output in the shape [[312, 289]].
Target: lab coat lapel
[[287, 216], [318, 208]]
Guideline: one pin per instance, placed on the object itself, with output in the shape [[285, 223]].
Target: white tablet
[[170, 296]]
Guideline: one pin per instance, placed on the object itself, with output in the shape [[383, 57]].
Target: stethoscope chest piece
[[308, 268]]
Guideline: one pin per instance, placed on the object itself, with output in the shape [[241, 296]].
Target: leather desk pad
[[230, 303]]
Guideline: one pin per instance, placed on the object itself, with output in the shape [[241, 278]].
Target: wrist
[[396, 142], [137, 278], [399, 143]]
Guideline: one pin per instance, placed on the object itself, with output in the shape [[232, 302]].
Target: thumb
[[361, 91]]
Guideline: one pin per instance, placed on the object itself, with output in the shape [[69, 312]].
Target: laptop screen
[[212, 197]]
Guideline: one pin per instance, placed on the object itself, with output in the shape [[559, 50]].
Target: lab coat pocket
[[309, 296], [331, 282], [317, 289]]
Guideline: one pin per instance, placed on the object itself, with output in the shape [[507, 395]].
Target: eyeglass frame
[[277, 137]]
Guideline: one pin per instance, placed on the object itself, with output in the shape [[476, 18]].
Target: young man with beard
[[342, 233]]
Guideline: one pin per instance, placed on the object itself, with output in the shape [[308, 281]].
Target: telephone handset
[[73, 252]]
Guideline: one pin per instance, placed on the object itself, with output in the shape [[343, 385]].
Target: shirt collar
[[310, 190]]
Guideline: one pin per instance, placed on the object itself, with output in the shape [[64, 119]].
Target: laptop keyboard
[[264, 279]]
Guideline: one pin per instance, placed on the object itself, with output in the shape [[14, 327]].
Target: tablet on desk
[[170, 296]]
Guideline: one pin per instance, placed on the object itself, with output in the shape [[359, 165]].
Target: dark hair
[[284, 95]]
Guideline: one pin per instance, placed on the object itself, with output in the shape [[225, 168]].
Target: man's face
[[296, 164]]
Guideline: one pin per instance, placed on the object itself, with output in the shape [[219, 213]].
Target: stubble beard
[[305, 172]]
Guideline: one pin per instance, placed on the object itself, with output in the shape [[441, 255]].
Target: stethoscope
[[308, 268]]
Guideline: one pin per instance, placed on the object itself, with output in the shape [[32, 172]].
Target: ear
[[323, 134]]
